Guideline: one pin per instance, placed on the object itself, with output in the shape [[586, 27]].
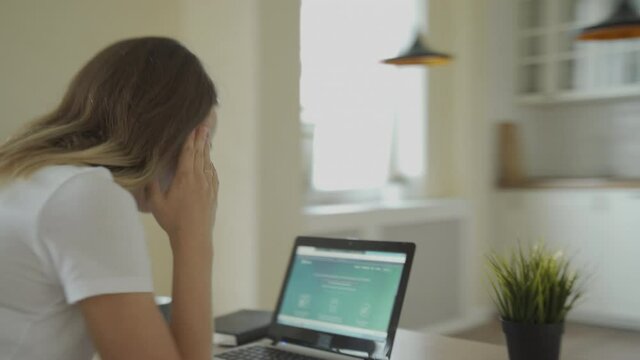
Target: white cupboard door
[[511, 220], [624, 257], [578, 224]]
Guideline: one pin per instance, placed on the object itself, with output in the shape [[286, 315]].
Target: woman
[[131, 134]]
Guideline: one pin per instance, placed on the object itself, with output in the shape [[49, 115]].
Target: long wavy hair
[[129, 109]]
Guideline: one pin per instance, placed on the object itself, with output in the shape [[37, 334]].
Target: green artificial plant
[[533, 285]]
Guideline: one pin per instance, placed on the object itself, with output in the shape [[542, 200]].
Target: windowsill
[[439, 205], [392, 194], [323, 219]]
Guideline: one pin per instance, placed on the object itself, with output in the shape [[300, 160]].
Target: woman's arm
[[129, 326], [191, 304]]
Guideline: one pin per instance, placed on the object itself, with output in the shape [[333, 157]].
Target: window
[[363, 121]]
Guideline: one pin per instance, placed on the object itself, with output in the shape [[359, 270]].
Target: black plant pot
[[533, 341]]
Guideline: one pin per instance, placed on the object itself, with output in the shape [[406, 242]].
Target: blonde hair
[[129, 109]]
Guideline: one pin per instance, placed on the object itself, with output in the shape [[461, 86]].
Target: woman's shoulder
[[73, 191], [83, 186], [29, 195], [84, 202], [57, 175]]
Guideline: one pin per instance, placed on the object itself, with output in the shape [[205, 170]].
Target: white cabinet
[[552, 66], [624, 251], [600, 232]]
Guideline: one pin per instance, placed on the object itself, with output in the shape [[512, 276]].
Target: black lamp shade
[[624, 23], [420, 54]]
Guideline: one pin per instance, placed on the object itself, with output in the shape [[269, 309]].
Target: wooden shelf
[[572, 183]]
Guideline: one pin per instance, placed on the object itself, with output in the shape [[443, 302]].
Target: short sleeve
[[91, 229]]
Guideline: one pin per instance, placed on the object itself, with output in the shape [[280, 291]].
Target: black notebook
[[241, 327]]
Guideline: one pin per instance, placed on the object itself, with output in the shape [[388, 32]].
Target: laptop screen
[[341, 291]]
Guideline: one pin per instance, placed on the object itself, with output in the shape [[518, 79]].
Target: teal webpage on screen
[[342, 292]]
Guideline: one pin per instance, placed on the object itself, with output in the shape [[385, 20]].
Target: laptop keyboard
[[258, 352]]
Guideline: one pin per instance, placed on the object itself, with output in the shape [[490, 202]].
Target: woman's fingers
[[189, 204], [213, 178], [210, 173], [199, 153], [185, 163], [209, 169], [207, 156]]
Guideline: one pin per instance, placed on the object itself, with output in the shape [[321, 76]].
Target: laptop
[[340, 300]]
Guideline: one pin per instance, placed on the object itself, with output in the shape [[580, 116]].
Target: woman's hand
[[186, 211]]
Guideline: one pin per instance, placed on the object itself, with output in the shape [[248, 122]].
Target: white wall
[[460, 161], [45, 42], [280, 172], [583, 139], [224, 34]]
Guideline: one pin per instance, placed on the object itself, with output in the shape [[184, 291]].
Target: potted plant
[[534, 289]]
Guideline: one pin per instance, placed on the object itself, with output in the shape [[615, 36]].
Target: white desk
[[416, 346]]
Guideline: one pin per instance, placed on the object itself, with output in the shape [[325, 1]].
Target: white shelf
[[533, 60], [568, 55], [564, 27], [533, 32], [580, 96], [533, 99]]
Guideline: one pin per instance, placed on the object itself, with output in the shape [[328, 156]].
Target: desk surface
[[417, 346]]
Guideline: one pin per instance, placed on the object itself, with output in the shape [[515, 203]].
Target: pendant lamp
[[624, 23], [420, 54]]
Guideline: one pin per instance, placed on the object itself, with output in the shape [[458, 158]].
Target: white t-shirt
[[66, 233]]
